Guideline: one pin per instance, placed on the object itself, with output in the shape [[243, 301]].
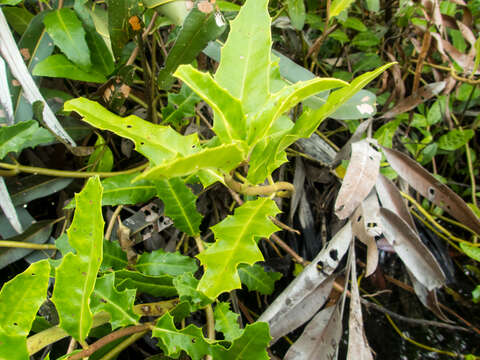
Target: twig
[[108, 339], [123, 345], [111, 224], [134, 53], [289, 250]]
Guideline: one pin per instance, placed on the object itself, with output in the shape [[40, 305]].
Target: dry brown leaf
[[308, 292], [359, 179], [358, 348], [414, 254], [429, 187], [423, 94], [397, 78], [427, 298], [392, 200], [321, 337], [347, 148], [365, 226]]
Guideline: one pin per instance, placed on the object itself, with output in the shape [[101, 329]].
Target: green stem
[[67, 173], [37, 342], [257, 189], [25, 245]]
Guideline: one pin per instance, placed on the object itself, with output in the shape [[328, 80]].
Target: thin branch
[[110, 338]]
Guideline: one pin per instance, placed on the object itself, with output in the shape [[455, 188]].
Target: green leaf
[[476, 294], [14, 137], [252, 344], [58, 66], [226, 321], [244, 68], [102, 157], [286, 99], [355, 24], [362, 105], [18, 18], [296, 11], [119, 190], [338, 6], [471, 251], [20, 299], [229, 123], [68, 34], [455, 139], [189, 339], [180, 205], [373, 5], [197, 30], [235, 244], [477, 56], [186, 285], [341, 96], [160, 262], [154, 285], [156, 142], [101, 54], [224, 157], [77, 273], [385, 133], [114, 258], [180, 106], [119, 304], [257, 279], [365, 39], [119, 11]]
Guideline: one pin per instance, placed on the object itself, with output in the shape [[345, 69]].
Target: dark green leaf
[[257, 279], [58, 66], [18, 18], [180, 106], [102, 157], [119, 12], [296, 11], [186, 285], [160, 262], [19, 136], [455, 139], [32, 187], [119, 304], [180, 205], [119, 190], [197, 30], [154, 285], [68, 34], [114, 258]]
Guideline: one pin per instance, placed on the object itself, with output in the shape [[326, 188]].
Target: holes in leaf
[[340, 208], [372, 225], [129, 126], [193, 340], [359, 218], [33, 274], [15, 324], [431, 193], [334, 254], [142, 143]]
